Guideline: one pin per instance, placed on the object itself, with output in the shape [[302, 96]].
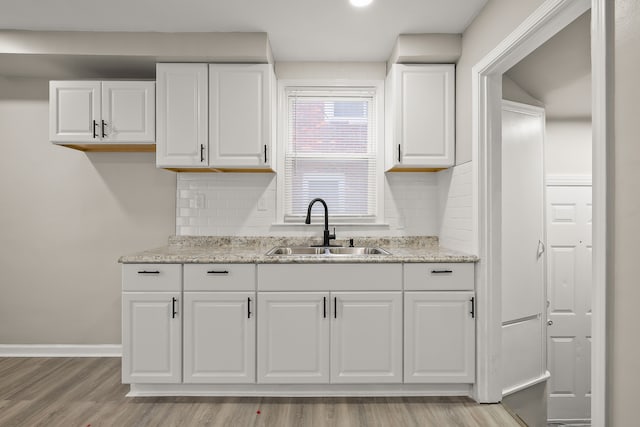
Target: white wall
[[66, 217], [624, 172], [511, 91], [245, 204], [568, 147], [493, 24]]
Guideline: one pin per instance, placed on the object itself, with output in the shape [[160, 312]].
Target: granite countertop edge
[[228, 250]]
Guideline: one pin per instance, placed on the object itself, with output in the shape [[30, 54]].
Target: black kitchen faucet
[[327, 236]]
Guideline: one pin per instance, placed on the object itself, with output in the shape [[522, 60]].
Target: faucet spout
[[327, 235]]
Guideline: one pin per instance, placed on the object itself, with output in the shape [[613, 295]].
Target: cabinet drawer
[[439, 277], [219, 277], [152, 277]]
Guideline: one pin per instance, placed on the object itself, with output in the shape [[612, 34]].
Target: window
[[331, 150]]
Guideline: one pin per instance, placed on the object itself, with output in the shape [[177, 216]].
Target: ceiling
[[558, 73], [299, 30]]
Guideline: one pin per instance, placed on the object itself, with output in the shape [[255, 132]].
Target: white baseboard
[[299, 390], [60, 350]]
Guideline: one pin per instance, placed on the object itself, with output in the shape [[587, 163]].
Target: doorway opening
[[546, 229], [548, 20]]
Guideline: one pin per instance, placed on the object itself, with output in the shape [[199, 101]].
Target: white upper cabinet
[[420, 111], [217, 116], [182, 114], [128, 111], [74, 111], [240, 115], [94, 113]]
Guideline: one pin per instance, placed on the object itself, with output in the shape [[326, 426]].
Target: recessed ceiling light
[[360, 3]]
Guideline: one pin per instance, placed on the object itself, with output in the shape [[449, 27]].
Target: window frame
[[282, 135]]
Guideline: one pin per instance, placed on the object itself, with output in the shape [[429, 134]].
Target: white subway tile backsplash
[[456, 208], [231, 206]]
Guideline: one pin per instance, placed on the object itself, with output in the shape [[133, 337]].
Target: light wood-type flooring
[[86, 392]]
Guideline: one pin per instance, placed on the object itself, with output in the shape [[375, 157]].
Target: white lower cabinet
[[439, 342], [337, 337], [219, 337], [293, 337], [245, 324], [151, 337], [366, 337]]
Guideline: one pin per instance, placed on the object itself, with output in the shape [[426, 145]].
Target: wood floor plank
[[87, 391]]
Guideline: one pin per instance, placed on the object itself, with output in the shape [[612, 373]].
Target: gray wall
[[66, 218], [624, 289]]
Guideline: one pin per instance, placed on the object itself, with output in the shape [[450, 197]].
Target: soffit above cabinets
[[116, 55]]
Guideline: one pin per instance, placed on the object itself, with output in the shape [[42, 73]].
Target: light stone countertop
[[247, 250]]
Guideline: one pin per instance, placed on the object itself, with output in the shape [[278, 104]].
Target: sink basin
[[327, 251]]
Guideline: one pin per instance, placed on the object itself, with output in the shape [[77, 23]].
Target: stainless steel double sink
[[326, 251]]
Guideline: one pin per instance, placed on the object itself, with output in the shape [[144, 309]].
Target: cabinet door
[[293, 337], [128, 111], [439, 342], [74, 111], [151, 338], [422, 111], [240, 112], [219, 337], [366, 337], [182, 115]]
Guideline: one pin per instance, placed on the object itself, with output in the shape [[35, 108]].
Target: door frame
[[551, 17]]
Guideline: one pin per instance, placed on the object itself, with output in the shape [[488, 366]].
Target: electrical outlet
[[200, 201], [262, 203]]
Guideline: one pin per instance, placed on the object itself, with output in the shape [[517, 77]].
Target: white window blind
[[330, 152]]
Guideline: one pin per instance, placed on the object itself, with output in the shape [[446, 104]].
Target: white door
[[74, 111], [366, 337], [569, 292], [293, 337], [219, 337], [151, 337], [182, 115], [128, 111], [439, 341], [522, 251], [240, 99]]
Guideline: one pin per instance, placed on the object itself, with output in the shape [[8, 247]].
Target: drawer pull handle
[[173, 307], [473, 308], [324, 307], [441, 271], [335, 307], [218, 272], [149, 272], [249, 308]]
